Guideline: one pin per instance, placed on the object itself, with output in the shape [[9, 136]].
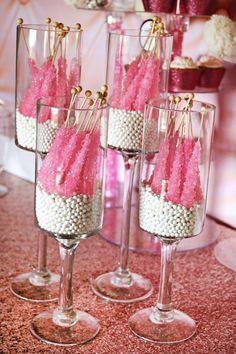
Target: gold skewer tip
[[79, 89], [48, 20], [88, 93], [66, 28], [60, 25], [90, 102], [73, 91], [20, 21]]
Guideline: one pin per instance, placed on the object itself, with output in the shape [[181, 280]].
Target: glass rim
[[44, 27], [128, 32], [208, 106], [55, 106]]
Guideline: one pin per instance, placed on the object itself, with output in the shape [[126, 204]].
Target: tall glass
[[69, 203], [48, 63], [137, 69], [173, 191], [5, 125]]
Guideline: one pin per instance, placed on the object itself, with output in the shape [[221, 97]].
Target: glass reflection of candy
[[50, 74], [173, 191], [69, 202], [137, 69]]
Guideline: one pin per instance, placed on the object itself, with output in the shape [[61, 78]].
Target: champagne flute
[[48, 63], [173, 190], [137, 69], [69, 203]]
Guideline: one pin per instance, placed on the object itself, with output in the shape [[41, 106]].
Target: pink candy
[[71, 164], [176, 178], [148, 85], [117, 80], [192, 179], [160, 170], [179, 166]]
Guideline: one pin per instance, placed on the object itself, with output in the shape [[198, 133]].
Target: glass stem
[[42, 254], [163, 311], [64, 315], [40, 276], [122, 273]]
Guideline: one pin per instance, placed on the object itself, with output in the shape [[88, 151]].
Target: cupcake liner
[[210, 77], [183, 79], [158, 5], [197, 7]]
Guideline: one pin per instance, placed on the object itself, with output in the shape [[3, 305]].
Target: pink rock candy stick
[[132, 69], [176, 178], [192, 178], [74, 76], [160, 170], [65, 164], [145, 86], [47, 173], [27, 105], [48, 90], [128, 100], [90, 168], [32, 68], [117, 80], [62, 87]]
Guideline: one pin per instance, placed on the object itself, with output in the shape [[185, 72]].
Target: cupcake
[[184, 74], [158, 5], [197, 7], [211, 72]]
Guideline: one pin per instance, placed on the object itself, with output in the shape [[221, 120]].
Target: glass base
[[177, 329], [32, 287], [44, 329], [108, 286], [225, 252], [3, 190]]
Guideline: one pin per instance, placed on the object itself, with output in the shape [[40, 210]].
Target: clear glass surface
[[137, 69], [69, 203], [225, 252], [48, 63], [39, 285], [173, 190], [5, 131]]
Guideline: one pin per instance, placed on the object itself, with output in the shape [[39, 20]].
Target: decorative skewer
[[66, 29], [55, 25], [78, 27], [48, 21], [20, 22], [97, 102], [61, 35], [90, 103], [203, 112], [98, 117], [74, 92]]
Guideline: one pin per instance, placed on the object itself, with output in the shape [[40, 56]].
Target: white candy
[[167, 219], [126, 130], [26, 133], [52, 215]]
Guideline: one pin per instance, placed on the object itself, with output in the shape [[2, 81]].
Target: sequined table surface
[[203, 288]]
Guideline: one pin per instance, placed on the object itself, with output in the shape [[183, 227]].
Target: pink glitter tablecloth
[[203, 288]]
